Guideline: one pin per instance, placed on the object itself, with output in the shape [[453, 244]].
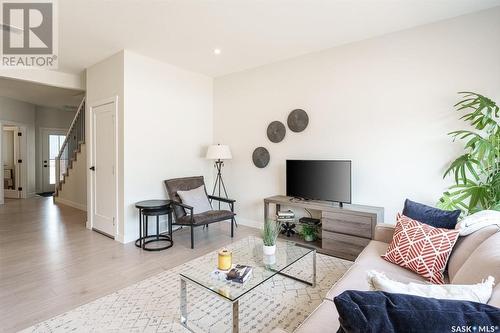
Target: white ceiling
[[250, 33], [39, 94]]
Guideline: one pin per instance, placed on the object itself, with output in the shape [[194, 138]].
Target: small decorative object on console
[[309, 232], [286, 218]]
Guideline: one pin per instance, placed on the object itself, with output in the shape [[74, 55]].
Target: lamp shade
[[219, 152]]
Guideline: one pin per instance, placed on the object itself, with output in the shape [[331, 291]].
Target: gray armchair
[[184, 214]]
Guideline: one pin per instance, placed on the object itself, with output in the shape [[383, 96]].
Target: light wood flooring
[[50, 263]]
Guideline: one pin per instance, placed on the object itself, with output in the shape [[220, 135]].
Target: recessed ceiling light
[[217, 51]]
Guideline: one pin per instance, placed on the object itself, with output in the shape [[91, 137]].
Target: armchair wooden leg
[[232, 227], [192, 237]]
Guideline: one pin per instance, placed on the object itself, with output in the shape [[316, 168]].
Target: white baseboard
[[70, 203], [249, 223]]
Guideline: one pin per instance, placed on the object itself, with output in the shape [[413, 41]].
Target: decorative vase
[[224, 260], [269, 260], [269, 250], [309, 238]]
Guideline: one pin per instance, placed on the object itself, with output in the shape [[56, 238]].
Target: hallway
[[50, 263]]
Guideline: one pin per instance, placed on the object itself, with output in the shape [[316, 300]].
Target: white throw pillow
[[480, 292], [476, 221], [196, 198]]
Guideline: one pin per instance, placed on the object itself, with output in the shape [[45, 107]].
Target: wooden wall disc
[[261, 157], [297, 120], [276, 131]]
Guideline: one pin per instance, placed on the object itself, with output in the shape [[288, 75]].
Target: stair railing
[[70, 146]]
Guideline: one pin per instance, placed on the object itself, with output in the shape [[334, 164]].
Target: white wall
[[104, 81], [46, 117], [384, 103], [13, 112], [165, 123], [168, 125]]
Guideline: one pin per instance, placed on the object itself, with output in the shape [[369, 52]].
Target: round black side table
[[154, 208]]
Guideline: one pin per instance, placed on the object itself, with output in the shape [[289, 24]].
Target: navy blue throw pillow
[[435, 217], [377, 311]]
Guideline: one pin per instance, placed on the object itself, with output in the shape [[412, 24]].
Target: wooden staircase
[[70, 148]]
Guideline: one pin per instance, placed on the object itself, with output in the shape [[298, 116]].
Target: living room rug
[[152, 305]]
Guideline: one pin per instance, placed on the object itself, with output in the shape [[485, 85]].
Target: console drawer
[[344, 246], [349, 224]]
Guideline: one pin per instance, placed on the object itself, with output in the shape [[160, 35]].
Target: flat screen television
[[327, 180]]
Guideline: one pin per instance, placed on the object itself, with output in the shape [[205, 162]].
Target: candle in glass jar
[[225, 260]]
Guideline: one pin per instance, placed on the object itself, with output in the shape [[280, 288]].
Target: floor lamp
[[219, 153]]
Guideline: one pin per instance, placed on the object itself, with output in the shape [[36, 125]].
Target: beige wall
[[384, 103]]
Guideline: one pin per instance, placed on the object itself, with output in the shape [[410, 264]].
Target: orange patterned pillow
[[421, 248]]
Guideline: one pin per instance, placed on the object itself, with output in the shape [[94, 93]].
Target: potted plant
[[476, 172], [269, 235], [309, 232]]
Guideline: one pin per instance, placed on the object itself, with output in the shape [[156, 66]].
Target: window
[[55, 144]]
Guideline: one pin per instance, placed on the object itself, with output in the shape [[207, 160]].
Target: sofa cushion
[[477, 292], [377, 311], [484, 261], [421, 248], [370, 259], [323, 319], [432, 216], [465, 246]]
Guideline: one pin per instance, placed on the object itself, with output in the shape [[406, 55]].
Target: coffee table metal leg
[[184, 317], [314, 269], [236, 319]]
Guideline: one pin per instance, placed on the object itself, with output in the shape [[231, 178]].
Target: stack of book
[[285, 216], [239, 274]]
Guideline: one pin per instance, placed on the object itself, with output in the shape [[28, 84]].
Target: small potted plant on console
[[309, 232]]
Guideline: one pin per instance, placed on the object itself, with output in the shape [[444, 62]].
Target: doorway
[[103, 170], [12, 161], [52, 141]]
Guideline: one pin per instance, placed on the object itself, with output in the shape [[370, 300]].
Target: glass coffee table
[[249, 252]]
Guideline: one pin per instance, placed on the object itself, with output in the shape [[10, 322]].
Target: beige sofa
[[474, 257]]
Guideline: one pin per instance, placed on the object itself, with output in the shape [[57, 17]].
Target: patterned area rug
[[152, 305]]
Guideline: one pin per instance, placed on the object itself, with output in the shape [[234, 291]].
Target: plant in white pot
[[269, 235]]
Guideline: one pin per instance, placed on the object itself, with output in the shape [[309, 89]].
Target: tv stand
[[345, 229]]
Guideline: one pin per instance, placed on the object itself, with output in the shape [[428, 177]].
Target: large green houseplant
[[476, 172]]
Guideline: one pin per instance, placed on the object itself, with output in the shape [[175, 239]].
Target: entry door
[[103, 168], [52, 141]]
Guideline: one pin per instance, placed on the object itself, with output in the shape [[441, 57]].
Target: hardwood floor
[[50, 263]]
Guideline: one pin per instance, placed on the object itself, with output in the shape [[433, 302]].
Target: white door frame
[[90, 162], [23, 169], [41, 134]]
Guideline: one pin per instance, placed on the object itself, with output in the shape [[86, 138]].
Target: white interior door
[[52, 141], [103, 168]]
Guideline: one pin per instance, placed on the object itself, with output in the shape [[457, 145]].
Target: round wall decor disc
[[276, 131], [261, 157], [297, 120]]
